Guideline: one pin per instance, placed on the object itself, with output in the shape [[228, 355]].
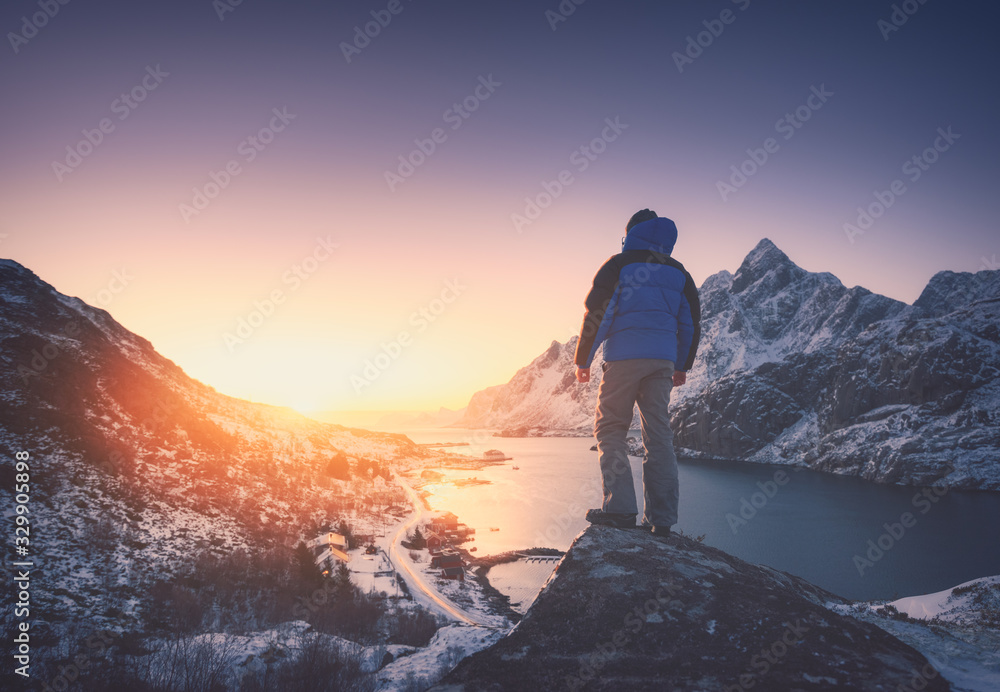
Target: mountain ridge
[[796, 368]]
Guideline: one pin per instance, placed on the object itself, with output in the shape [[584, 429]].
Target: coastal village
[[431, 546], [443, 532]]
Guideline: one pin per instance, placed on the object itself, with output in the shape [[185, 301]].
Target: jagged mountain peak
[[764, 260], [948, 291], [720, 279], [766, 252]]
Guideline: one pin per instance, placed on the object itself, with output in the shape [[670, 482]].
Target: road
[[414, 578]]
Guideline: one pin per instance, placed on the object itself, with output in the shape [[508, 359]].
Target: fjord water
[[812, 526]]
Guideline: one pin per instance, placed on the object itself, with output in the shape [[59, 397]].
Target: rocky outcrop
[[626, 610], [794, 367]]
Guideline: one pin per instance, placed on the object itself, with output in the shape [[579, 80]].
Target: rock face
[[626, 610], [794, 367]]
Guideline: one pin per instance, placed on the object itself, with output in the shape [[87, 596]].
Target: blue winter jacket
[[643, 304]]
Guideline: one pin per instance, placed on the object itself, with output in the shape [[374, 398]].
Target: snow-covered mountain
[[796, 368], [543, 398], [138, 471]]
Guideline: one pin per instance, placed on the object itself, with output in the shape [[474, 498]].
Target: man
[[644, 308]]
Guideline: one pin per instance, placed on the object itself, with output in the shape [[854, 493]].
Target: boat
[[494, 528], [516, 468]]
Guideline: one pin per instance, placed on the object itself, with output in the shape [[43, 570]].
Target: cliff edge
[[626, 610]]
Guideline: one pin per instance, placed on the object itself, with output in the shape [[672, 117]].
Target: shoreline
[[478, 566]]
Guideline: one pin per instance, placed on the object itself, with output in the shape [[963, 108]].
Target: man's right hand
[[680, 377], [583, 375]]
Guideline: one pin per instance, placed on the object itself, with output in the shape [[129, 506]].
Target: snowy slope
[[972, 603], [138, 471], [957, 629]]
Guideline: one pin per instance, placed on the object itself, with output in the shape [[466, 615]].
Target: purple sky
[[510, 99]]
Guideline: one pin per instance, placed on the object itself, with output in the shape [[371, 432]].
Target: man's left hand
[[680, 377]]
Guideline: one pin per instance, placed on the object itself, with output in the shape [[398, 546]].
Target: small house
[[447, 560], [447, 520], [453, 573]]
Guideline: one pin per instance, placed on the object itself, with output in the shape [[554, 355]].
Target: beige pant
[[625, 383]]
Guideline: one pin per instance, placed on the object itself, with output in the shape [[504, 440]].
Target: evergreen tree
[[345, 531], [306, 572], [339, 467], [342, 580]]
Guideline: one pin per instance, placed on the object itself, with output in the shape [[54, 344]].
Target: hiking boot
[[618, 521], [661, 531]]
